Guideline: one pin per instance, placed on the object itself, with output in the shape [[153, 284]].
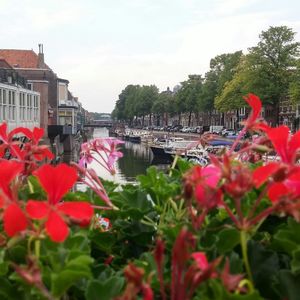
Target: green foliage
[[228, 238], [266, 71]]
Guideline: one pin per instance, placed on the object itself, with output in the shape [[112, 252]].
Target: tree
[[222, 69], [146, 97], [125, 108], [187, 98], [231, 96], [267, 71], [294, 87], [163, 105]]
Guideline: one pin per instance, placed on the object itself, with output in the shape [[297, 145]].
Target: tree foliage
[[271, 70], [266, 71]]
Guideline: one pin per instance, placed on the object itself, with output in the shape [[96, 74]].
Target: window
[[35, 108], [13, 105], [9, 105], [4, 105], [22, 106], [242, 111]]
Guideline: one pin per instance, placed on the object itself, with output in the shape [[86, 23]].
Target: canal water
[[135, 161]]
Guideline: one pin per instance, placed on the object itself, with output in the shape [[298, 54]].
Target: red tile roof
[[4, 64], [20, 58]]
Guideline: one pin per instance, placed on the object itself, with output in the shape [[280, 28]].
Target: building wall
[[42, 87], [44, 81], [19, 107]]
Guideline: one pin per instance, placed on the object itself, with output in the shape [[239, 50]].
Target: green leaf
[[228, 238], [287, 239], [264, 266], [75, 270], [104, 290], [295, 263], [288, 286], [7, 290], [214, 290], [252, 296], [103, 240]]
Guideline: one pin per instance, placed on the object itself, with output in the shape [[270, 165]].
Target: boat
[[134, 138], [167, 147]]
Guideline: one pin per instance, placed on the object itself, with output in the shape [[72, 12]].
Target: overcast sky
[[101, 46]]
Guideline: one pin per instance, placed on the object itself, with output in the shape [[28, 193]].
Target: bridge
[[97, 123], [104, 120]]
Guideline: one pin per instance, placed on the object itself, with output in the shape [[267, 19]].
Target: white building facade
[[19, 107]]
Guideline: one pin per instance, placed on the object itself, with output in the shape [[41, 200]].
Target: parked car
[[228, 132], [176, 128], [216, 129], [185, 129]]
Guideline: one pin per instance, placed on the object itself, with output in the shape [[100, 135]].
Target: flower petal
[[255, 104], [200, 259], [276, 191], [77, 210], [261, 174], [37, 209], [56, 227], [56, 181], [25, 131], [3, 132], [14, 220], [211, 175], [279, 138], [294, 145], [8, 171], [37, 134], [200, 194]]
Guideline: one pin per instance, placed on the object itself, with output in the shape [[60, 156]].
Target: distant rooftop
[[27, 59]]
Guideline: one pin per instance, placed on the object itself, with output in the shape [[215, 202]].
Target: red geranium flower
[[32, 148], [285, 145], [255, 104], [14, 219], [57, 181], [7, 138]]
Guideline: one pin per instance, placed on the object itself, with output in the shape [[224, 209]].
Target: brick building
[[39, 77]]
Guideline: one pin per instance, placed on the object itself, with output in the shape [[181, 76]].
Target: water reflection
[[135, 161]]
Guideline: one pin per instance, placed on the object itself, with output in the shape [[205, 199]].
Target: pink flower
[[106, 148], [206, 192]]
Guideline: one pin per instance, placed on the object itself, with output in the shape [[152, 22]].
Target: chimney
[[41, 63]]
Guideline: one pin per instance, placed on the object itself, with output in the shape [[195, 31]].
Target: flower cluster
[[102, 150], [279, 180], [22, 144], [55, 213]]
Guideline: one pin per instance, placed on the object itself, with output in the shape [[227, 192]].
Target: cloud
[[101, 46]]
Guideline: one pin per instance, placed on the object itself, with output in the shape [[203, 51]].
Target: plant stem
[[173, 164], [244, 240], [37, 248]]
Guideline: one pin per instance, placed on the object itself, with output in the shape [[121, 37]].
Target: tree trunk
[[237, 119], [190, 116]]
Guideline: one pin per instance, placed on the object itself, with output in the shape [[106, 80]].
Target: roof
[[27, 59], [4, 64]]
